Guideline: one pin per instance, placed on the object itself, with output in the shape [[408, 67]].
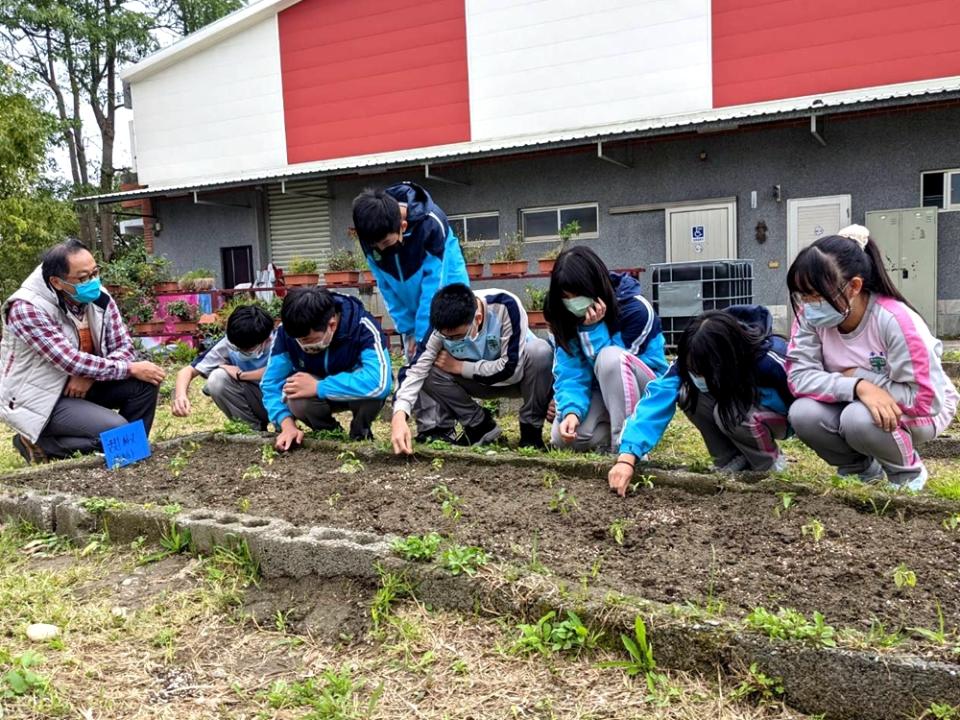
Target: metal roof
[[718, 119]]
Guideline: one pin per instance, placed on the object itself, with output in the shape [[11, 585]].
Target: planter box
[[301, 279], [474, 270], [149, 328], [185, 326], [366, 278], [535, 318], [341, 277], [499, 269], [170, 286], [546, 266], [115, 290], [197, 284]]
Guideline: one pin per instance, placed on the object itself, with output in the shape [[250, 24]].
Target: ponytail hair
[[824, 267]]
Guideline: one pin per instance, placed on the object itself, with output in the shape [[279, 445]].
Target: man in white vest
[[67, 360]]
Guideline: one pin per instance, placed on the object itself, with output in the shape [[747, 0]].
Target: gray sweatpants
[[237, 399], [844, 435], [620, 381], [317, 413], [454, 394], [755, 438]]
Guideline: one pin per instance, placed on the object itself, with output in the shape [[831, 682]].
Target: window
[[543, 224], [940, 188], [237, 263], [481, 228]]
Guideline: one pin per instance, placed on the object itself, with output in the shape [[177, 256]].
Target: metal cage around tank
[[682, 291]]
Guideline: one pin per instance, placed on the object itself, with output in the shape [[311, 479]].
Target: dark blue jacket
[[410, 273], [355, 366]]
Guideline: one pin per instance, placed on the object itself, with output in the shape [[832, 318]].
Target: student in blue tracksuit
[[729, 379], [329, 355], [609, 346], [412, 252]]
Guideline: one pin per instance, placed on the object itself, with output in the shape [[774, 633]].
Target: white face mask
[[317, 347], [254, 354]]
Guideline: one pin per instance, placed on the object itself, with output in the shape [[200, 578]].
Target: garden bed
[[744, 549]]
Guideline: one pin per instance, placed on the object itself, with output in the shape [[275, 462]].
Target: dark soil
[[677, 545]]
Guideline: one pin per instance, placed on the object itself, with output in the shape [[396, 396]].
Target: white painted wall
[[542, 65], [217, 112]]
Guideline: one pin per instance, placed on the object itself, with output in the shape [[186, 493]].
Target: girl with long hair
[[864, 366], [609, 346], [729, 379]]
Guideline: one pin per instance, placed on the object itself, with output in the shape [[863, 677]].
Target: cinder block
[[31, 507], [209, 528], [74, 522], [130, 522]]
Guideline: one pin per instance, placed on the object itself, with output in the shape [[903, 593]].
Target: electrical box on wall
[[908, 243]]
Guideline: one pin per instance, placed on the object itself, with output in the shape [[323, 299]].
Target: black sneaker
[[531, 436], [446, 435], [365, 434], [33, 454], [486, 431]]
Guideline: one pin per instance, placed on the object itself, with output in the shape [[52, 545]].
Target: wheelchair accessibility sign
[[697, 237]]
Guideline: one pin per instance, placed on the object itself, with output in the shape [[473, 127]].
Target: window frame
[[594, 235], [949, 203], [466, 222]]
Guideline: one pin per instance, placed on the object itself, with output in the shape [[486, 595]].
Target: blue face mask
[[823, 314], [699, 382], [254, 354], [86, 292], [467, 347]]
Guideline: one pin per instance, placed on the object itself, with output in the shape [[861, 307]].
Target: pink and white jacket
[[892, 347]]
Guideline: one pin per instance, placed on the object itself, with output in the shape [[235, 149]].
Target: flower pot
[[167, 286], [197, 284], [499, 269], [341, 277], [154, 327], [474, 270], [535, 318], [366, 278], [115, 290], [185, 326], [301, 279], [546, 266]]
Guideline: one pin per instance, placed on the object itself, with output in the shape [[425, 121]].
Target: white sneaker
[[737, 464], [917, 483], [780, 464]]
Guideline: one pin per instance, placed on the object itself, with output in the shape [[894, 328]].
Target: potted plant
[[366, 276], [343, 268], [535, 299], [186, 316], [303, 272], [473, 256], [141, 317], [509, 261], [568, 232], [196, 280]]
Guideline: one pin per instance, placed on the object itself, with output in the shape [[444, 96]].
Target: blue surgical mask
[[699, 382], [254, 354], [469, 347], [86, 292], [823, 314], [578, 305]]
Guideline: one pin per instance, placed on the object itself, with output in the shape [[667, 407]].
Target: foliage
[[99, 505], [512, 250], [418, 547], [758, 687], [236, 427], [618, 529], [904, 576], [331, 696], [814, 529], [197, 279], [568, 232], [548, 635], [19, 679], [536, 296], [344, 260], [562, 502], [463, 559], [789, 624], [136, 271], [303, 266], [472, 252], [183, 310], [640, 651], [450, 502]]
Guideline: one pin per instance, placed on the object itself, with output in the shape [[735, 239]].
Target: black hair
[[826, 265], [375, 215], [724, 352], [578, 270], [248, 326], [56, 260], [306, 309], [453, 306]]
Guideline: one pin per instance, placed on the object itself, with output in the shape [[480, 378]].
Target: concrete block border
[[839, 682]]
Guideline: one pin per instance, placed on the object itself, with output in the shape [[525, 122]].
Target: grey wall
[[192, 235], [877, 159]]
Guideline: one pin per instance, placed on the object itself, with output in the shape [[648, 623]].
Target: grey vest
[[30, 385]]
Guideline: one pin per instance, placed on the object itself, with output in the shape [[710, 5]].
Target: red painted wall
[[766, 50], [365, 76]]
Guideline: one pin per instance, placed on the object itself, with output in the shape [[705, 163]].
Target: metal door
[[706, 232], [809, 219]]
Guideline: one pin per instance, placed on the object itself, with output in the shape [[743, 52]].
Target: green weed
[[548, 635], [463, 559], [789, 624], [421, 548]]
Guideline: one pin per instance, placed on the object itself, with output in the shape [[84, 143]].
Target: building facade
[[671, 130]]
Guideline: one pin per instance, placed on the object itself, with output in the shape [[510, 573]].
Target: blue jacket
[[409, 273], [639, 332], [355, 366], [653, 413]]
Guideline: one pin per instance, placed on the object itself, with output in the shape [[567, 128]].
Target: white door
[[701, 232], [809, 219]]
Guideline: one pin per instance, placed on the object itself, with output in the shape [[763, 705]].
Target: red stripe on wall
[[773, 50], [366, 76]]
